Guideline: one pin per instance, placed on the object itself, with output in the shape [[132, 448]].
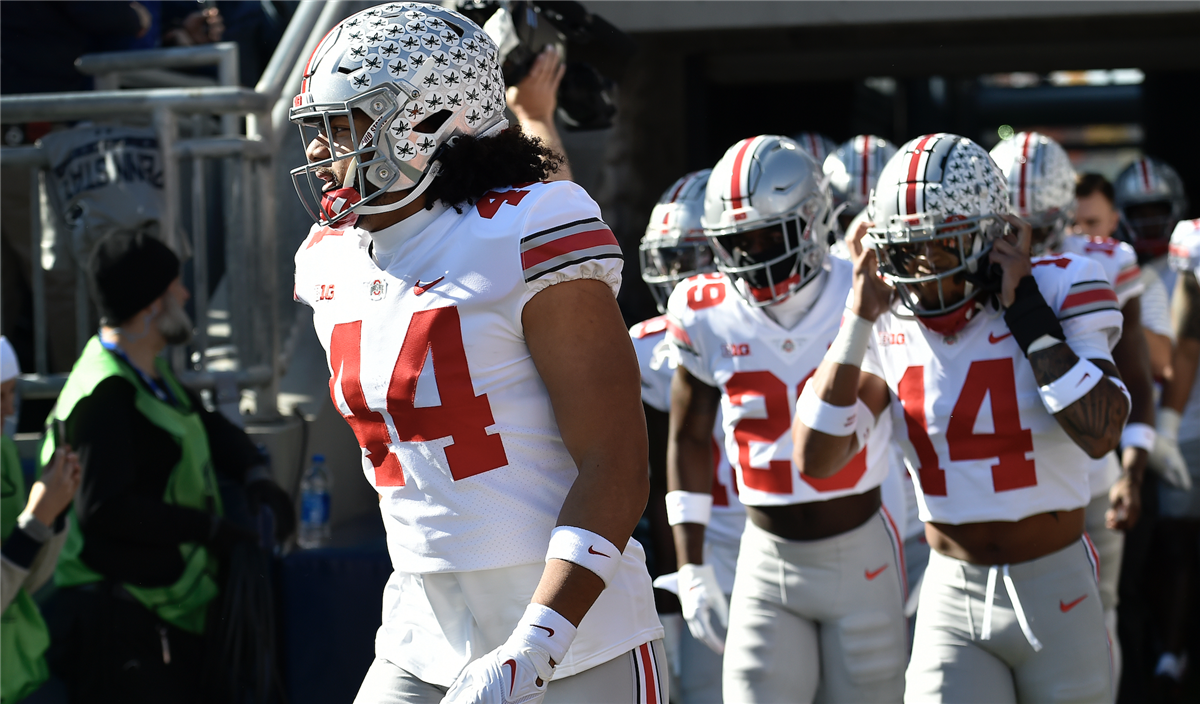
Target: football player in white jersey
[[946, 309], [1179, 503], [673, 249], [477, 351], [1041, 190], [817, 604]]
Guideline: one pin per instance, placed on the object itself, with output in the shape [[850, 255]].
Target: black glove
[[267, 492], [225, 534]]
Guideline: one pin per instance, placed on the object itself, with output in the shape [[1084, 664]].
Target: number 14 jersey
[[977, 440], [430, 368]]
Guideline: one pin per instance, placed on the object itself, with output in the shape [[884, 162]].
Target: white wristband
[[1070, 387], [1139, 435], [545, 627], [688, 507], [823, 416], [586, 549], [850, 345]]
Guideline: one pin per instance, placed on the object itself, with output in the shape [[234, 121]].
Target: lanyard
[[162, 391]]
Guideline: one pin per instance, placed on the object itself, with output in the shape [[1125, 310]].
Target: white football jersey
[[978, 442], [760, 368], [429, 366], [1117, 258], [658, 362]]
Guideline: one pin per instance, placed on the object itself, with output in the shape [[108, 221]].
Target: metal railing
[[247, 170]]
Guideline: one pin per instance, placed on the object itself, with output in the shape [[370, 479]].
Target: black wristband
[[1030, 317]]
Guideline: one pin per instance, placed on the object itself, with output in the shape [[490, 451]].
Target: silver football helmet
[[853, 168], [940, 197], [1184, 253], [766, 212], [816, 144], [1041, 186], [424, 75], [1150, 196], [674, 246]]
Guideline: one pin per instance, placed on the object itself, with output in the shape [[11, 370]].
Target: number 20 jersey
[[430, 368], [977, 440], [761, 368]]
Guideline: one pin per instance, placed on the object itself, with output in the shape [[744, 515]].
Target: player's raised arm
[[841, 402], [579, 344], [1086, 396]]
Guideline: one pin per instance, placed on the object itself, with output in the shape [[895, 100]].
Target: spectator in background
[[39, 42], [31, 540], [140, 567], [534, 101]]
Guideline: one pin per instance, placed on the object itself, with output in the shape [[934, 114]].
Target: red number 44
[[1008, 443], [462, 415]]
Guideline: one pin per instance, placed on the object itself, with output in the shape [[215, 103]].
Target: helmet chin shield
[[966, 241]]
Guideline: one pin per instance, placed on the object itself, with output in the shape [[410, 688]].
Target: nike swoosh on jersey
[[592, 551], [992, 338], [870, 575], [1070, 605], [419, 288]]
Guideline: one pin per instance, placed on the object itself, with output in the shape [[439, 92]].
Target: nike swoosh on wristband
[[1086, 376], [544, 628], [419, 288], [1068, 606], [592, 551], [993, 339], [872, 575]]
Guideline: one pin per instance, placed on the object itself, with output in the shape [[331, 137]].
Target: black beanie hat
[[127, 272]]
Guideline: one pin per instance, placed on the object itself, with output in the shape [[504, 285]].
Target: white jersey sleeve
[[563, 238], [656, 360], [1118, 260], [1156, 304], [1082, 296]]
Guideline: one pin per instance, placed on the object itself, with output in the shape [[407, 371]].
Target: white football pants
[[819, 620], [1041, 640]]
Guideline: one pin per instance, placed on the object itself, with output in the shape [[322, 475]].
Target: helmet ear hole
[[433, 123]]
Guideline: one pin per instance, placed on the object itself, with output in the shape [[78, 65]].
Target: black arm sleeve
[[126, 462], [233, 453]]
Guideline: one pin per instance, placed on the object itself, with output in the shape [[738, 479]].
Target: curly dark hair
[[471, 167]]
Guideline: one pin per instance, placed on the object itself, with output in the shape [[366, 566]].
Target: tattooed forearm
[[1095, 421]]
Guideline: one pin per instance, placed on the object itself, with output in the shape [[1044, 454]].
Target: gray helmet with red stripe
[[816, 144], [1041, 186], [853, 168], [766, 211], [938, 189], [674, 246], [1143, 185], [423, 74], [1184, 253]]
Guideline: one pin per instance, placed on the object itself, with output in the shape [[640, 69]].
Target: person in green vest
[[140, 570], [31, 535]]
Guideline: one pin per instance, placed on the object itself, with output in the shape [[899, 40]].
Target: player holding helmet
[[673, 249], [998, 445], [477, 351], [1042, 192], [818, 596]]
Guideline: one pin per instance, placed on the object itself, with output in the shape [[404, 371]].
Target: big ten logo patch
[[891, 338], [735, 349]]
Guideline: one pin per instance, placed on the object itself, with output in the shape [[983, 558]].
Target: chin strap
[[434, 169]]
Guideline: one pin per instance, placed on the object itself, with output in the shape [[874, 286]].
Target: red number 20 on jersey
[[462, 415]]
